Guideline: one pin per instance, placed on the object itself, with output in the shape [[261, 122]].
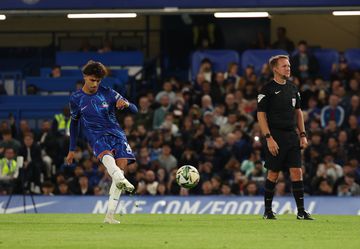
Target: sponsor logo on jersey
[[293, 102]]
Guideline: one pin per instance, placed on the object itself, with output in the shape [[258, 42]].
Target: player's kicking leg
[[115, 172], [125, 184]]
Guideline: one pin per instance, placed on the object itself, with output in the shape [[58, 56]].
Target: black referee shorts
[[289, 151]]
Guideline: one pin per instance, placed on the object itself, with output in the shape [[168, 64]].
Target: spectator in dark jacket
[[304, 65], [33, 163]]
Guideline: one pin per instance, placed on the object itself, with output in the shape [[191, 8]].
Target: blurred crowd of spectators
[[209, 123]]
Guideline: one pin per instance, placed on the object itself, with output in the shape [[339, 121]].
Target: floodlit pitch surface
[[177, 231]]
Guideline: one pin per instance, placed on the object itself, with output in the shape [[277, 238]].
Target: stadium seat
[[31, 107], [12, 76], [121, 74], [65, 84], [45, 84], [353, 58], [122, 77], [78, 59], [258, 57], [219, 58], [326, 58], [122, 64], [46, 71]]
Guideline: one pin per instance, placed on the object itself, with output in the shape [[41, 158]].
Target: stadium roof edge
[[172, 11]]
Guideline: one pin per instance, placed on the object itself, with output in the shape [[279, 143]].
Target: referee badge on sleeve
[[293, 102], [260, 97]]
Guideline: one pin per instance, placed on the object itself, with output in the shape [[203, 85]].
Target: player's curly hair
[[95, 68]]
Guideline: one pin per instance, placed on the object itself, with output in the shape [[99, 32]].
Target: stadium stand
[[211, 125], [31, 107], [258, 57], [353, 58], [64, 84], [326, 59], [78, 59], [219, 58], [46, 72]]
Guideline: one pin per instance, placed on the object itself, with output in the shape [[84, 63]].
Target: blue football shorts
[[117, 145]]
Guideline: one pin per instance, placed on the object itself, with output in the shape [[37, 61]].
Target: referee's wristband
[[303, 134]]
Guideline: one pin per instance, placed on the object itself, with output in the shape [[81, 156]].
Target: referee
[[278, 114]]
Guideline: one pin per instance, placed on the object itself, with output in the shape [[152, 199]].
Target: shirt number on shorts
[[128, 148]]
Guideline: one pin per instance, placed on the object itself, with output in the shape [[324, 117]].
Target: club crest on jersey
[[104, 105], [293, 102]]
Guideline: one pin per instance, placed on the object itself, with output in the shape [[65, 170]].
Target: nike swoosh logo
[[21, 208], [277, 92], [84, 108]]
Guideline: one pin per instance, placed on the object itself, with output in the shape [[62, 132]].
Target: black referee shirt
[[279, 103]]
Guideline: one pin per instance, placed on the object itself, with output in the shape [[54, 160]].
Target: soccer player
[[278, 114], [94, 106]]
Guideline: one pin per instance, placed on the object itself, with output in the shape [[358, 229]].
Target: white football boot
[[109, 219], [124, 184]]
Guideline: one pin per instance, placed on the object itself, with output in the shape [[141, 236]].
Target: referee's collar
[[280, 83]]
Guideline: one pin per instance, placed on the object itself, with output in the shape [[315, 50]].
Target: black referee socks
[[298, 192], [269, 194]]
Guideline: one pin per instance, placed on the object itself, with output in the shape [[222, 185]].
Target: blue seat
[[46, 84], [78, 59], [353, 58], [32, 107], [220, 60], [122, 77], [46, 71], [121, 74], [115, 84], [64, 84], [17, 76], [258, 57], [326, 58]]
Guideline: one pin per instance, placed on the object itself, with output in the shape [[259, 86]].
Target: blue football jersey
[[96, 113]]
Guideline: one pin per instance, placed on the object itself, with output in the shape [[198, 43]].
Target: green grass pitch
[[177, 231]]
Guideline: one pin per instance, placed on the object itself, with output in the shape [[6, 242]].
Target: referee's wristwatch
[[303, 134], [267, 135]]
